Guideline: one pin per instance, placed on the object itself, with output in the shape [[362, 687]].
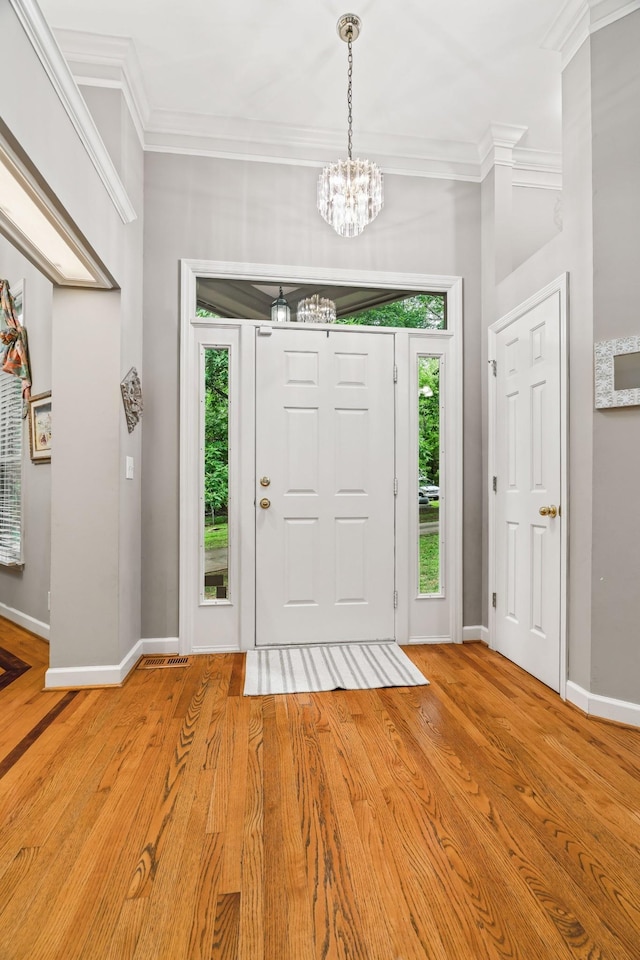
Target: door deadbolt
[[264, 481], [265, 503]]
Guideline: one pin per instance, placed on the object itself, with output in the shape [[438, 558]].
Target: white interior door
[[325, 475], [528, 515]]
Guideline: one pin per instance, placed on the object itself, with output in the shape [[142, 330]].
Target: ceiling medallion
[[350, 191]]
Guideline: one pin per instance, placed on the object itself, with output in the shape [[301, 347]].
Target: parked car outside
[[428, 492]]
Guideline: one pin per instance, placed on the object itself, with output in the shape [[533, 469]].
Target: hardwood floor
[[174, 819]]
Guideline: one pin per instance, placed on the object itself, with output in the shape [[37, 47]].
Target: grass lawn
[[429, 512], [429, 563], [216, 535]]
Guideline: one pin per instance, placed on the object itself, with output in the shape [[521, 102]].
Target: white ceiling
[[269, 76]]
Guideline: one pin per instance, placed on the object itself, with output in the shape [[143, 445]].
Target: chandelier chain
[[349, 191], [350, 97]]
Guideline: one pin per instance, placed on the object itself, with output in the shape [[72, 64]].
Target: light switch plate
[[129, 468]]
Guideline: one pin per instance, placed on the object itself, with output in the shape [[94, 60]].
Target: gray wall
[[113, 120], [95, 510], [578, 261], [615, 85], [96, 337], [598, 247], [84, 481], [26, 590], [572, 251], [200, 208], [536, 222]]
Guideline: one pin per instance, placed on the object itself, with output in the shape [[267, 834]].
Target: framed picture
[[40, 427]]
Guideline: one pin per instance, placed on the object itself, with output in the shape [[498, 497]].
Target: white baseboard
[[412, 640], [165, 645], [107, 675], [25, 621], [224, 648], [622, 711], [476, 633]]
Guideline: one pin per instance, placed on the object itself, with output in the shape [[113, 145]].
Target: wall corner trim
[[25, 621], [61, 78], [107, 674], [606, 708], [497, 145]]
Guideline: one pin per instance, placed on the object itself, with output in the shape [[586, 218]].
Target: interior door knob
[[551, 511], [264, 481], [265, 503]]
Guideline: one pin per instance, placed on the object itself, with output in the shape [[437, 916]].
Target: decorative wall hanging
[[617, 372], [40, 427], [13, 339], [132, 398]]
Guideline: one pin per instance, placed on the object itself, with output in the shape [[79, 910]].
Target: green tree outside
[[429, 419], [422, 311], [216, 433]]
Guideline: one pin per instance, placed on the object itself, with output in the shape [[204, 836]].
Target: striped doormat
[[346, 666]]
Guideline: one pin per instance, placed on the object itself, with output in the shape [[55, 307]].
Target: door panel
[[528, 544], [325, 441]]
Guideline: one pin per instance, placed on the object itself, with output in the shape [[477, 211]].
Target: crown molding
[[578, 19], [254, 140], [61, 78], [496, 147], [530, 167], [96, 60], [537, 168], [569, 30]]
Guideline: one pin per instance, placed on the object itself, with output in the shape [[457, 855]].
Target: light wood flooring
[[174, 819]]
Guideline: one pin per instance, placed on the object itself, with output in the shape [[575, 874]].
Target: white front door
[[528, 511], [325, 468]]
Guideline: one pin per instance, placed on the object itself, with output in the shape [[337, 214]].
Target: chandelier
[[350, 191], [316, 309]]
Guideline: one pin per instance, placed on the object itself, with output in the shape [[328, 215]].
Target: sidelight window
[[430, 502], [216, 473]]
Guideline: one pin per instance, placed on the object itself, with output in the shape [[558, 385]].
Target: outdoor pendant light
[[280, 312]]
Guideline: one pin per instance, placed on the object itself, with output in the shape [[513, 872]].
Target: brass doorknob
[[265, 503], [550, 511], [264, 481]]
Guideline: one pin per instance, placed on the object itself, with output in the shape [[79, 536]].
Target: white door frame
[[190, 330], [559, 285]]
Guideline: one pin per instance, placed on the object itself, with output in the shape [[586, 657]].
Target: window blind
[[10, 469]]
